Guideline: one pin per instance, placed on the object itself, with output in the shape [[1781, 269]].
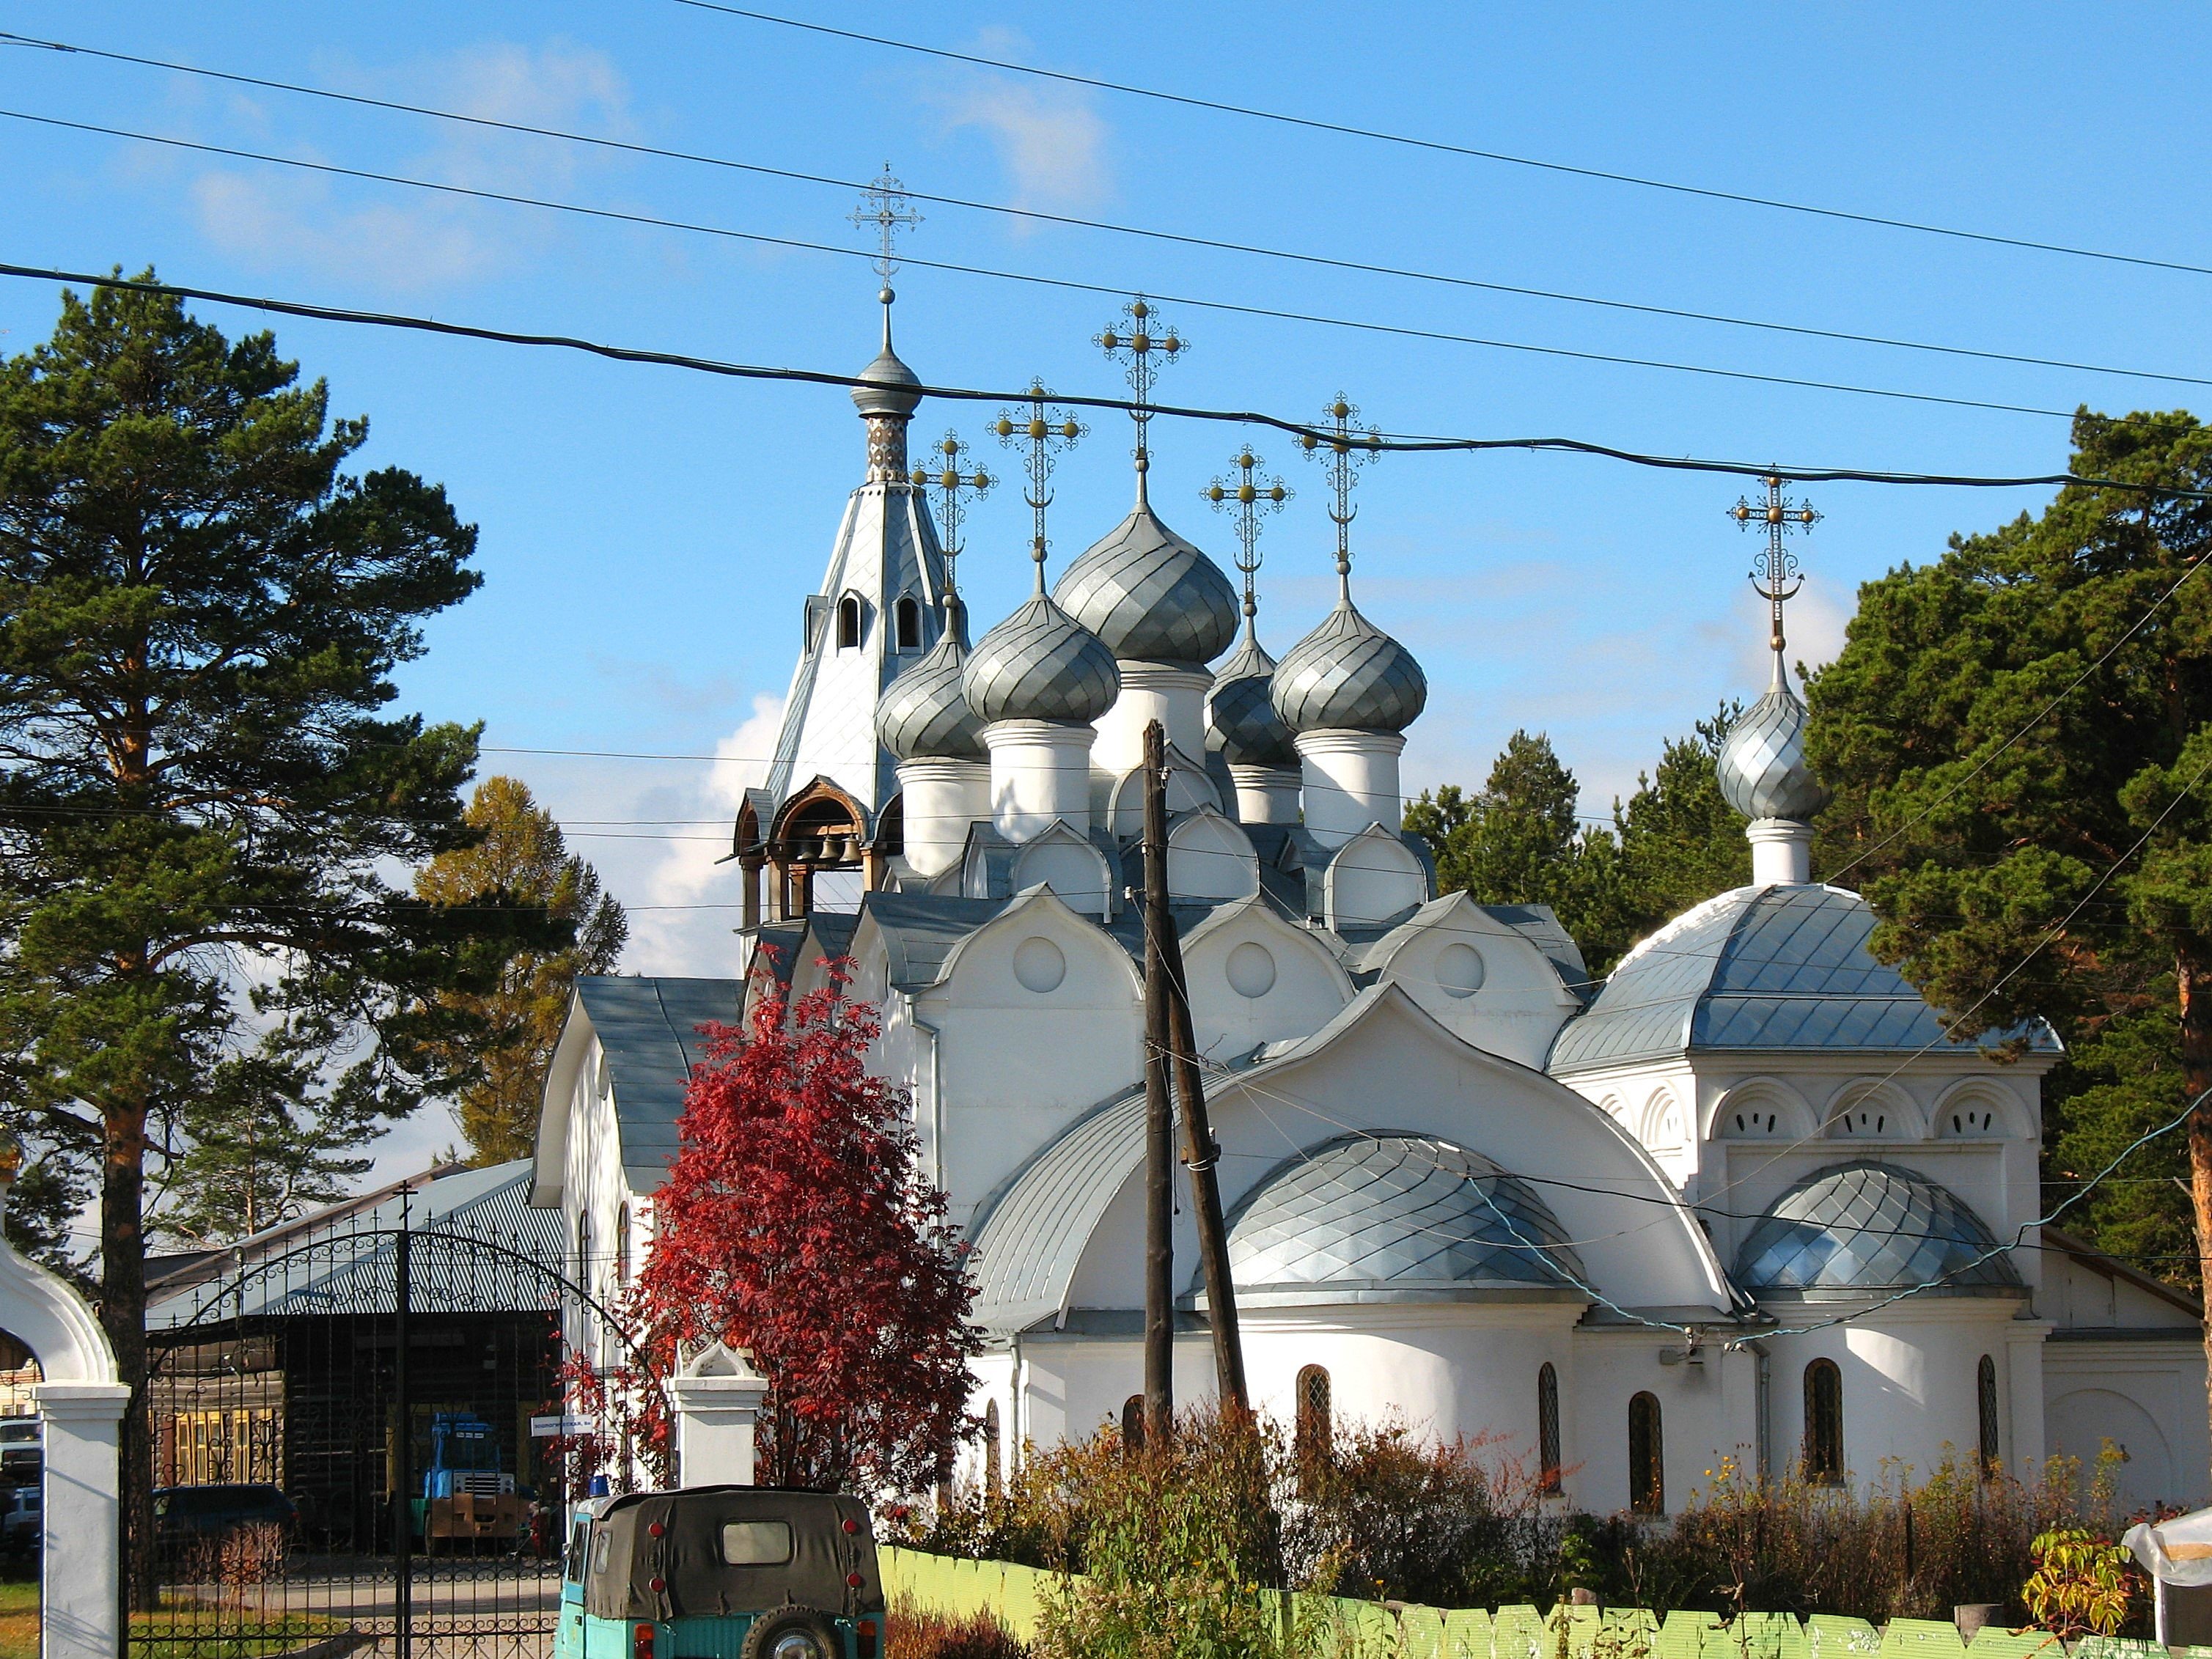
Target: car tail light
[[855, 1580], [641, 1645], [867, 1639]]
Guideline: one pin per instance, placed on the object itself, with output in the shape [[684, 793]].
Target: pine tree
[[522, 859], [200, 616]]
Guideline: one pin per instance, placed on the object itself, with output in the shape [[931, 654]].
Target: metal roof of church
[[1870, 1228], [1764, 968], [648, 1029], [1394, 1217]]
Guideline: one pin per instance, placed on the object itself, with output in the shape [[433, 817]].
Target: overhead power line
[[1797, 472], [1065, 284], [1151, 234], [1440, 147]]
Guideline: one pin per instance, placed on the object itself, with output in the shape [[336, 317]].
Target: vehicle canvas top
[[688, 1560]]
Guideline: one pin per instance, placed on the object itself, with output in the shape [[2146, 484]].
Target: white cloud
[[1050, 140], [395, 237]]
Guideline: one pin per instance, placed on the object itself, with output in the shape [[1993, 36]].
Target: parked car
[[187, 1515], [20, 1514]]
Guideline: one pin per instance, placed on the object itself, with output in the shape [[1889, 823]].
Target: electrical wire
[[1067, 284], [1040, 215], [1796, 472], [1437, 146]]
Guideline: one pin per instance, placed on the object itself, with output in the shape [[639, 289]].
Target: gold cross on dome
[[1348, 447], [1047, 431], [1248, 495], [1144, 343], [1775, 577], [951, 484], [885, 205]]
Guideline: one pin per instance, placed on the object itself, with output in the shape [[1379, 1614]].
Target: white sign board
[[565, 1427]]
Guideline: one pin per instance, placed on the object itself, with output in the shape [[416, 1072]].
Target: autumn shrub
[[916, 1632]]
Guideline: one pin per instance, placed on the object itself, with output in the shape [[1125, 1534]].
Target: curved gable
[[1255, 977]]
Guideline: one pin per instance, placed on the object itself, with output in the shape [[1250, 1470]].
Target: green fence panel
[[1467, 1634], [1922, 1639], [1688, 1634], [1769, 1636], [1838, 1635], [1421, 1634], [1994, 1642], [1518, 1632]]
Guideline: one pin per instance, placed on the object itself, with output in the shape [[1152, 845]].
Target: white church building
[[1744, 1197]]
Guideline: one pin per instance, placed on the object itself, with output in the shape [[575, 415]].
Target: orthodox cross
[[885, 205], [951, 484], [1775, 575], [1047, 431], [1143, 342], [1253, 493], [1350, 447]]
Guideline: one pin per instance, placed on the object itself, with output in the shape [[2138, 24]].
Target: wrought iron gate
[[359, 1435]]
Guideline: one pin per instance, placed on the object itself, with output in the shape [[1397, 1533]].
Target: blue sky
[[648, 535]]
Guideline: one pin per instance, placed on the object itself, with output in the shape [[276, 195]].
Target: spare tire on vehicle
[[791, 1632]]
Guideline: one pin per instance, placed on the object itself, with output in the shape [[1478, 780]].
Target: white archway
[[81, 1403]]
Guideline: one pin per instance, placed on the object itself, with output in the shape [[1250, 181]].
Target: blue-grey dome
[[1040, 665], [1150, 594], [895, 389], [1763, 770], [1866, 1228], [1348, 675], [923, 715], [1240, 720], [1390, 1217]]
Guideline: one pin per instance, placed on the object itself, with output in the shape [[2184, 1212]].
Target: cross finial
[[1348, 447], [951, 484], [885, 204], [1047, 431], [1774, 574], [1142, 342], [1250, 494]]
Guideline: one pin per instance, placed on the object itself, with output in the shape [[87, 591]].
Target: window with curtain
[[1985, 1406], [622, 1247], [1824, 1423], [1647, 1457], [1548, 1429], [991, 1447], [1316, 1418]]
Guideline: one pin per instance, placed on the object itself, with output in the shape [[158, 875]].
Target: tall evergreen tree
[[522, 859], [199, 790], [2066, 872]]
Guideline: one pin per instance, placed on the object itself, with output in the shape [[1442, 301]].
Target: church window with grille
[[1985, 1404], [848, 621], [583, 1247], [1132, 1424], [991, 1447], [1316, 1420], [1547, 1430], [1647, 1456], [908, 622], [1824, 1423], [622, 1247]]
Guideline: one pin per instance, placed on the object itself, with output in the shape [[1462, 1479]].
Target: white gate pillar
[[717, 1396], [81, 1403]]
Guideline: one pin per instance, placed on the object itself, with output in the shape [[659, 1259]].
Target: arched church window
[[1316, 1418], [1824, 1423], [583, 1246], [1985, 1407], [1133, 1424], [848, 621], [908, 622], [1647, 1456], [1548, 1429], [622, 1247], [991, 1447]]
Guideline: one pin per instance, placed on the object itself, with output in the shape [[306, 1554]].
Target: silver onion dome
[[1040, 665], [1150, 594], [923, 715], [1240, 720], [891, 387], [1348, 675], [1763, 770]]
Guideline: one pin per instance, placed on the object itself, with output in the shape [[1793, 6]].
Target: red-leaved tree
[[795, 1223]]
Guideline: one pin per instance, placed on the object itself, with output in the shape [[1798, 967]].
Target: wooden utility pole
[[1201, 1153], [1159, 1126]]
